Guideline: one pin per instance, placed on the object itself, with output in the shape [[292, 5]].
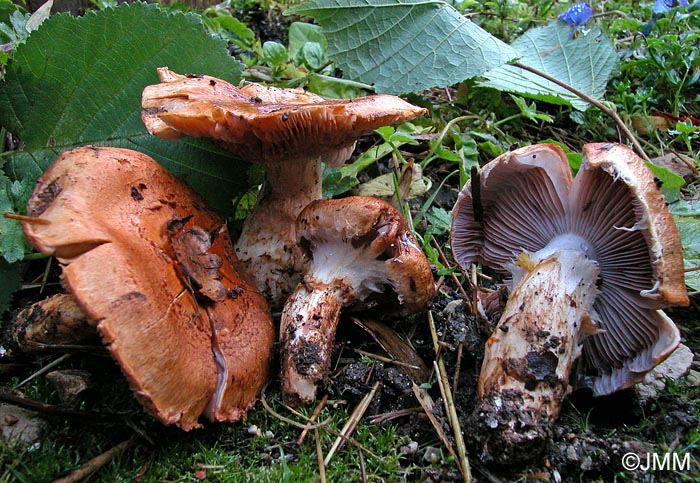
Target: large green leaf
[[689, 228], [79, 81], [586, 62], [13, 198], [405, 45]]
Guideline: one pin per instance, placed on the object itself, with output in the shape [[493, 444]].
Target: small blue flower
[[577, 15], [663, 6], [659, 9]]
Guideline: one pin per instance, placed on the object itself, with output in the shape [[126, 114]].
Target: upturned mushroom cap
[[525, 198], [366, 243], [154, 270], [358, 247], [265, 124]]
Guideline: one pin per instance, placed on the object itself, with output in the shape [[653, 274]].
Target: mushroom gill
[[358, 247]]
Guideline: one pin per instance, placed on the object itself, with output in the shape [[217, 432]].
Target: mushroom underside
[[608, 213], [522, 210], [358, 247]]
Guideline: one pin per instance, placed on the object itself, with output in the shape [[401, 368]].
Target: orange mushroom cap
[[155, 271], [359, 247], [265, 124], [290, 131]]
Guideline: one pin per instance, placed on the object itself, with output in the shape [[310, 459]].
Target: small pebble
[[431, 455], [409, 449]]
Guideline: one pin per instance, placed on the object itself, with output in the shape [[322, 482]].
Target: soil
[[587, 442]]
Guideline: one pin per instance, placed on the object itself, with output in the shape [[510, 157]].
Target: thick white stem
[[307, 332], [267, 246], [528, 359]]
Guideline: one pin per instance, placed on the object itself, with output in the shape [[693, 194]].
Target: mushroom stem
[[528, 358], [54, 321], [307, 332], [267, 246], [358, 247]]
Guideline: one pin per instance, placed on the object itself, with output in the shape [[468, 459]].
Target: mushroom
[[46, 325], [154, 270], [592, 259], [358, 247], [289, 131]]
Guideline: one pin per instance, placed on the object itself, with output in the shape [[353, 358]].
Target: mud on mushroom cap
[[527, 197]]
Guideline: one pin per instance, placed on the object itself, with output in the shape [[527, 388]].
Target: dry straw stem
[[287, 420], [26, 219], [454, 277], [97, 462], [312, 419], [319, 455], [387, 360], [428, 404], [351, 424], [451, 409], [324, 424], [391, 415], [53, 410], [44, 370]]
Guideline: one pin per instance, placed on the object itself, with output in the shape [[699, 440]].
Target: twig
[[387, 360], [317, 411], [441, 385], [455, 378], [363, 470], [27, 219], [444, 385], [45, 276], [447, 264], [53, 410], [44, 369], [610, 112], [97, 462], [454, 421], [319, 456], [427, 403], [391, 415], [483, 275], [323, 425], [269, 409], [351, 424]]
